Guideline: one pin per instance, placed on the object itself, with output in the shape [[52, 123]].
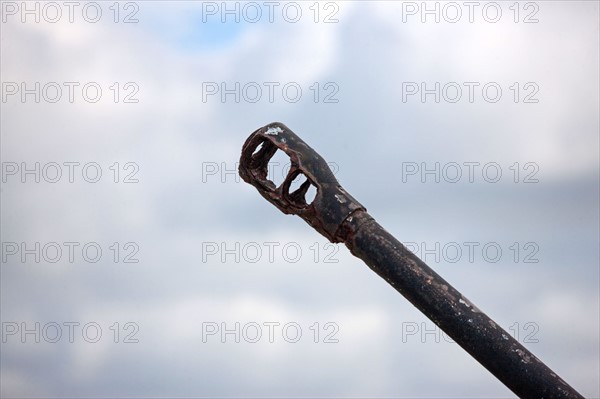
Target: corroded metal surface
[[473, 330], [340, 218], [332, 204]]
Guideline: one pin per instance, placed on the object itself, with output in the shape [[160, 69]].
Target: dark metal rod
[[473, 330], [340, 218]]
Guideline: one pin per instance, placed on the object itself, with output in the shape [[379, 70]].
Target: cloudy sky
[[135, 263]]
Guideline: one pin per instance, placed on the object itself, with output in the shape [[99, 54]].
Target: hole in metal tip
[[276, 170], [258, 148]]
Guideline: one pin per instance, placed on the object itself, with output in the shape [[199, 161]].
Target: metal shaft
[[473, 330], [339, 217]]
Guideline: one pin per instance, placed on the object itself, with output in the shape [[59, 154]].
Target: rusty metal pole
[[338, 216]]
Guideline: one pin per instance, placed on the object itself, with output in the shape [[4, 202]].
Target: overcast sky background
[[184, 200]]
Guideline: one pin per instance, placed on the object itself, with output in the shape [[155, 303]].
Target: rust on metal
[[332, 204], [339, 217]]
